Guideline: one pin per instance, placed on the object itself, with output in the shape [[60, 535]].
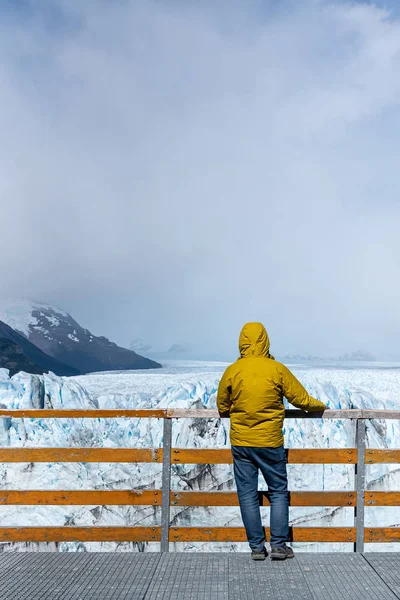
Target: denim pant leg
[[246, 477], [272, 463]]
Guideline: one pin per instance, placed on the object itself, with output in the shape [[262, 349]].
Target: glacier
[[185, 385]]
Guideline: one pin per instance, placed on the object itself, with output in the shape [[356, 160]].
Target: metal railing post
[[166, 484], [359, 516]]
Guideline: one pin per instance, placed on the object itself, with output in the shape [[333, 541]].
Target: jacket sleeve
[[224, 400], [297, 395]]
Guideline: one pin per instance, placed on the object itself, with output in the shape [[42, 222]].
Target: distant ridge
[[57, 334], [357, 356], [19, 354]]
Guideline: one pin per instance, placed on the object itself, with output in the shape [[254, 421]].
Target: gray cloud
[[170, 171]]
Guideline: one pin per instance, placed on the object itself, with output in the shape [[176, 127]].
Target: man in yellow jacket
[[251, 394]]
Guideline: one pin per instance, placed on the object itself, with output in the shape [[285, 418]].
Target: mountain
[[56, 333], [19, 354], [12, 357], [138, 345], [301, 358], [359, 355], [179, 349]]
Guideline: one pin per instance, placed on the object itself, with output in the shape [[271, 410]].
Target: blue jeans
[[271, 462]]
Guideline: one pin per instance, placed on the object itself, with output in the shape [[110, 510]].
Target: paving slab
[[9, 560], [267, 579], [335, 576], [387, 566], [79, 576], [195, 576]]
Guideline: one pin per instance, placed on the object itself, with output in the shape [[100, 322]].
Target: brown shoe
[[281, 552], [259, 554]]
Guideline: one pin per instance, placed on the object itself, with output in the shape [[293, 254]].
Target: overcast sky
[[170, 170]]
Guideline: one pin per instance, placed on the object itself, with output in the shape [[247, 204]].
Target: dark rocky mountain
[[56, 333], [19, 354], [12, 357]]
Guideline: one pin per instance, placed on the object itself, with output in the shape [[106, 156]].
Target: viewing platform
[[357, 575], [184, 576]]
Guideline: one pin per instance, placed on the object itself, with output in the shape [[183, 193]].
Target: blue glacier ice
[[184, 386]]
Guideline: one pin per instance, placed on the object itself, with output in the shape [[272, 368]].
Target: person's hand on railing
[[319, 409]]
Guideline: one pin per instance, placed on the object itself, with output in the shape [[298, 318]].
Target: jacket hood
[[254, 341]]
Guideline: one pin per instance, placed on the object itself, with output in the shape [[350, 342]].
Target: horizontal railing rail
[[165, 497], [186, 413]]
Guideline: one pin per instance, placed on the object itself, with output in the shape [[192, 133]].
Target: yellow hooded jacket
[[252, 389]]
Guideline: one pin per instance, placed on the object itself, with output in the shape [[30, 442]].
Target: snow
[[73, 338], [42, 330], [186, 385], [53, 321], [17, 313]]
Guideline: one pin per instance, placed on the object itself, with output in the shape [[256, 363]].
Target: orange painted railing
[[165, 497]]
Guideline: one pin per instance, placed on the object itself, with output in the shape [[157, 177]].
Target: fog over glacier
[[171, 170]]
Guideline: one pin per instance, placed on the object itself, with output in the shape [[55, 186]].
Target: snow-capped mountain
[[139, 345], [56, 333], [183, 351], [19, 354]]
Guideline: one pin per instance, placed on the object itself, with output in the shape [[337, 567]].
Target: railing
[[165, 497]]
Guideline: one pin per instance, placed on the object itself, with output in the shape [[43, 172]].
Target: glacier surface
[[184, 385]]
